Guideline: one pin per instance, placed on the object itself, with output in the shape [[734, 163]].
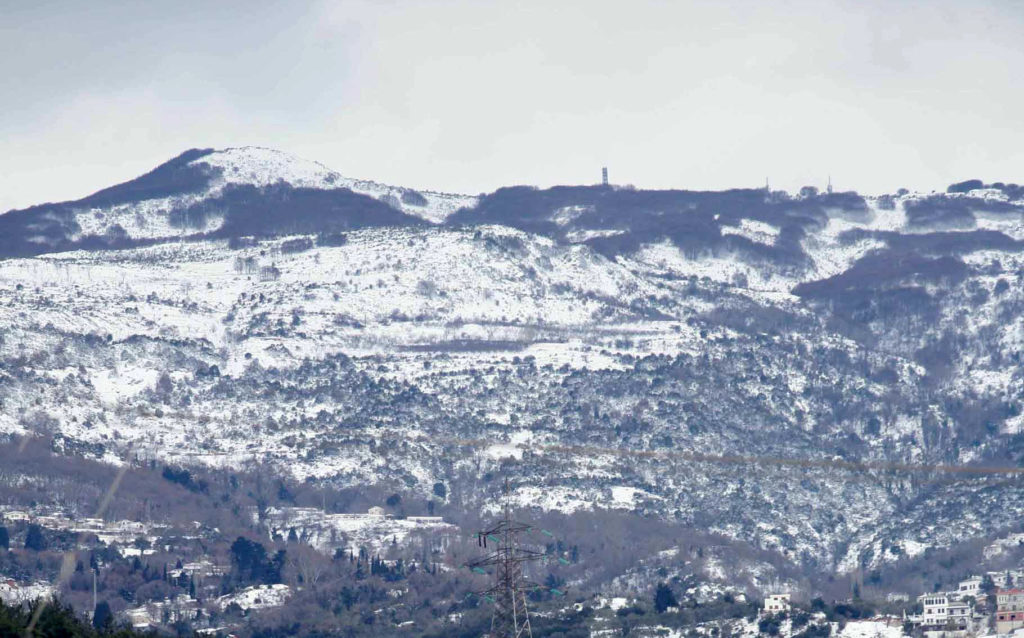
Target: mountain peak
[[260, 166]]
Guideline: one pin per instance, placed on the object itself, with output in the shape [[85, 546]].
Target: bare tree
[[307, 563]]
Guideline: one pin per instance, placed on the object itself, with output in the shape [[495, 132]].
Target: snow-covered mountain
[[762, 366], [220, 193]]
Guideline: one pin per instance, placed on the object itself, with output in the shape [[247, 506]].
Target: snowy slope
[[263, 166], [650, 378]]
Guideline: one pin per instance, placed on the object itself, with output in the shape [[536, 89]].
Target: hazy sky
[[468, 96]]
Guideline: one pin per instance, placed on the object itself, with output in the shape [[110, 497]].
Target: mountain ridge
[[349, 343]]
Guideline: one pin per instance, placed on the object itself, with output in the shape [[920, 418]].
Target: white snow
[[264, 166], [892, 628], [257, 597]]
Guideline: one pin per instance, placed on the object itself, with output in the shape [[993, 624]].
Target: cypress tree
[[34, 538]]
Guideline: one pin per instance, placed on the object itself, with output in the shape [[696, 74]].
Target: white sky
[[469, 96]]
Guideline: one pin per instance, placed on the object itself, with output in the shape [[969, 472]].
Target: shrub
[[413, 198]]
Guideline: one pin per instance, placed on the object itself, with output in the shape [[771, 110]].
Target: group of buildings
[[966, 607], [122, 532], [963, 611]]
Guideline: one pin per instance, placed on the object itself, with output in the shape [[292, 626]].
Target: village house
[[969, 587], [777, 604], [940, 611], [1006, 579], [15, 516], [13, 593], [149, 616], [1009, 610], [198, 569], [8, 590]]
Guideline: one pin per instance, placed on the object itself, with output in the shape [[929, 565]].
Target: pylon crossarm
[[517, 555], [523, 586], [486, 561], [505, 526]]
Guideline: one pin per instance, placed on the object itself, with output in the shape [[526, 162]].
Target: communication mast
[[604, 175], [511, 618]]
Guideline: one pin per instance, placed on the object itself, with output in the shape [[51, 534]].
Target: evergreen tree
[[664, 598], [5, 538], [440, 490], [987, 584], [34, 538], [103, 619]]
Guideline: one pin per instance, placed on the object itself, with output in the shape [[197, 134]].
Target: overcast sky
[[468, 96]]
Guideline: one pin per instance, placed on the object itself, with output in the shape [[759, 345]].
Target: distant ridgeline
[[188, 197]]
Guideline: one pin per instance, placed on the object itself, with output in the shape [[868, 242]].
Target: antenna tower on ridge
[[604, 175]]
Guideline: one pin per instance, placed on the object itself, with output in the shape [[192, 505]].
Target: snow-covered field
[[355, 532]]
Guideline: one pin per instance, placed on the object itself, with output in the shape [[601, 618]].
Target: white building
[[1006, 579], [934, 608], [959, 614], [777, 604], [940, 610], [8, 589], [969, 587]]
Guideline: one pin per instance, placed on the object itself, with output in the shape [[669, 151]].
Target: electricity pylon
[[511, 618]]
